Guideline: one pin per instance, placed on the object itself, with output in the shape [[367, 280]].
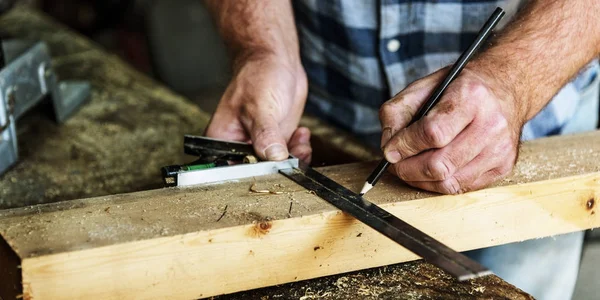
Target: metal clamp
[[27, 78]]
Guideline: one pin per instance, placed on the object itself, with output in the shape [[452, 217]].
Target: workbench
[[133, 126]]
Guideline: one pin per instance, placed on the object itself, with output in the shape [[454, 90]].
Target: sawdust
[[416, 280]]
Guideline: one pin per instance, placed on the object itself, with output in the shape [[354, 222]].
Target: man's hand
[[263, 105], [466, 142], [265, 99], [470, 138]]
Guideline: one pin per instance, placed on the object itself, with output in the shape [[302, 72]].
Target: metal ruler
[[211, 152], [387, 224]]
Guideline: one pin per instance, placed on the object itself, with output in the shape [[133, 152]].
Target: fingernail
[[386, 135], [393, 156], [276, 152]]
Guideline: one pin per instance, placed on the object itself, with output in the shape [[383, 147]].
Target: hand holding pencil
[[463, 136]]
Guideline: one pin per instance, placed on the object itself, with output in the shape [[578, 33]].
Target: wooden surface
[[174, 239], [131, 127]]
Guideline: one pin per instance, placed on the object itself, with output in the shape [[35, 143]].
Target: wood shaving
[[254, 190]]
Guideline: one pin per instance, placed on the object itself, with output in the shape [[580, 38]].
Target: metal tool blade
[[204, 146], [387, 224]]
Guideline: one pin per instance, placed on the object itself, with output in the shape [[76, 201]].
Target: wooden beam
[[174, 243]]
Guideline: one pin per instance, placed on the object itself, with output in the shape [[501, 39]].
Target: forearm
[[542, 50], [257, 29]]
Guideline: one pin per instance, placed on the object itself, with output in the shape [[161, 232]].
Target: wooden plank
[[168, 242]]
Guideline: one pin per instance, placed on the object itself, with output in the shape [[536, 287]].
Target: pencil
[[462, 61]]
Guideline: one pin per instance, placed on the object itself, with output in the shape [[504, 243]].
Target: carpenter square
[[215, 164], [220, 161]]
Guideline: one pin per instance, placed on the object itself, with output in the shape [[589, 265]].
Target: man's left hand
[[467, 141]]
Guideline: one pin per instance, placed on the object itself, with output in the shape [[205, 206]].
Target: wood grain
[[168, 242]]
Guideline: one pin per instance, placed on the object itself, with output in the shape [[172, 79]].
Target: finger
[[267, 138], [396, 113], [441, 164], [299, 144], [488, 178], [457, 183], [480, 172], [224, 126], [434, 131]]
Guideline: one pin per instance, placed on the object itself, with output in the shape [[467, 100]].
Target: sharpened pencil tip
[[367, 187]]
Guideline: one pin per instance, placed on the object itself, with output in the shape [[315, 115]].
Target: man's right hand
[[262, 105]]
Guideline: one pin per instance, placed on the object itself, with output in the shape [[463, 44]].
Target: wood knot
[[264, 226], [590, 204], [261, 228], [317, 248]]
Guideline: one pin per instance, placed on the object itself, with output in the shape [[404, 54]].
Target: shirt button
[[393, 45]]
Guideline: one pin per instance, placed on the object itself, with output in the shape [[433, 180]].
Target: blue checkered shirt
[[359, 53]]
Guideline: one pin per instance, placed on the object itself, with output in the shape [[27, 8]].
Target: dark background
[[173, 41]]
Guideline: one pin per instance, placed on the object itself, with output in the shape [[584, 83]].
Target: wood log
[[216, 239]]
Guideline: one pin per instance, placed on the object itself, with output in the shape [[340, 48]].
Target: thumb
[[267, 139]]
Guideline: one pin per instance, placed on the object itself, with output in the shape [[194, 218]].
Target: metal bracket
[[25, 80]]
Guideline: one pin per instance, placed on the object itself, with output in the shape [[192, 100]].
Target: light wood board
[[168, 242]]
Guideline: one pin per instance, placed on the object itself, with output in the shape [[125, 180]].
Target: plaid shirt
[[359, 53]]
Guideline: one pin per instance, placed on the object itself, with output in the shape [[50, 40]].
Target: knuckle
[[440, 169], [264, 133], [385, 110], [473, 89], [394, 110], [433, 134], [451, 186], [406, 146], [398, 144], [497, 123]]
